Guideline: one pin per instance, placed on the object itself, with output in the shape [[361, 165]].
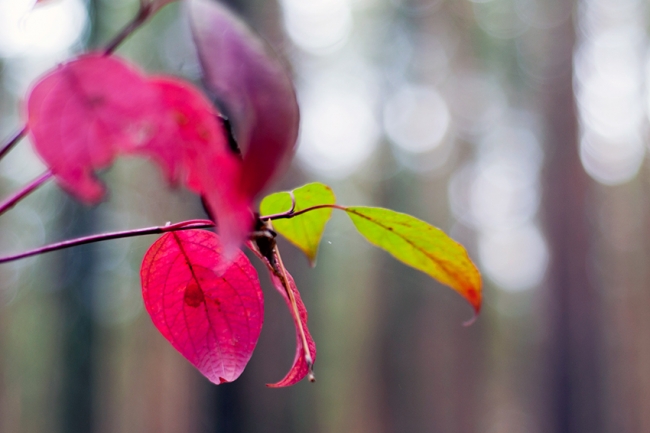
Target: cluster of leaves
[[201, 291]]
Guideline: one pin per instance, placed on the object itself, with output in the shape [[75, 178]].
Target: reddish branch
[[290, 213], [24, 192], [11, 142], [143, 15], [183, 225]]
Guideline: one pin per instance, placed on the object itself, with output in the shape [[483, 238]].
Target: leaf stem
[[143, 15], [291, 212], [183, 225], [28, 189], [12, 141]]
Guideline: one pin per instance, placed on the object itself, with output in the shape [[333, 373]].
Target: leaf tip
[[471, 321], [474, 297]]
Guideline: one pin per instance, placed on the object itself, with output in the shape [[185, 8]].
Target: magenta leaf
[[81, 113], [211, 168], [90, 110], [254, 87], [213, 320]]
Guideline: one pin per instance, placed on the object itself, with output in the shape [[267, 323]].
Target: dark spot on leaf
[[203, 133], [222, 380], [216, 303], [193, 295], [180, 118], [96, 101]]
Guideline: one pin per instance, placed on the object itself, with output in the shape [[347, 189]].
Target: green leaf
[[422, 246], [306, 230]]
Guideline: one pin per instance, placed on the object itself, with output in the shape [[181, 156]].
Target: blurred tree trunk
[[77, 268], [573, 363], [76, 297]]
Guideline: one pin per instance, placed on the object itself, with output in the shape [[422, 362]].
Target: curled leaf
[[422, 246], [301, 365], [212, 320], [305, 345], [253, 86], [304, 231]]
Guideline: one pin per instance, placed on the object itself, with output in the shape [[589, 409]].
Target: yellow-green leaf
[[422, 246], [306, 230]]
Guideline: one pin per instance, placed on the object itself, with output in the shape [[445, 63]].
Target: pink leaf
[[81, 113], [300, 367], [255, 88], [212, 169], [86, 112], [212, 320]]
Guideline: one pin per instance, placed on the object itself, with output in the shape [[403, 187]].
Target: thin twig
[[143, 14], [183, 225], [31, 187], [11, 142], [290, 213]]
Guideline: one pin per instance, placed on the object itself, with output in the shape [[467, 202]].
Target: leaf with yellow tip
[[422, 246], [306, 230]]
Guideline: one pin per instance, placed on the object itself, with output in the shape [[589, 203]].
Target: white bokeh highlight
[[338, 130], [416, 118], [609, 87], [515, 259], [318, 26], [29, 30], [498, 195]]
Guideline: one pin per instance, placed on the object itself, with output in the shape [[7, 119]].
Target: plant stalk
[[143, 15], [11, 142], [28, 189], [290, 213], [183, 225]]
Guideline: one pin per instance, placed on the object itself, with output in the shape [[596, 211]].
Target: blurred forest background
[[520, 127]]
